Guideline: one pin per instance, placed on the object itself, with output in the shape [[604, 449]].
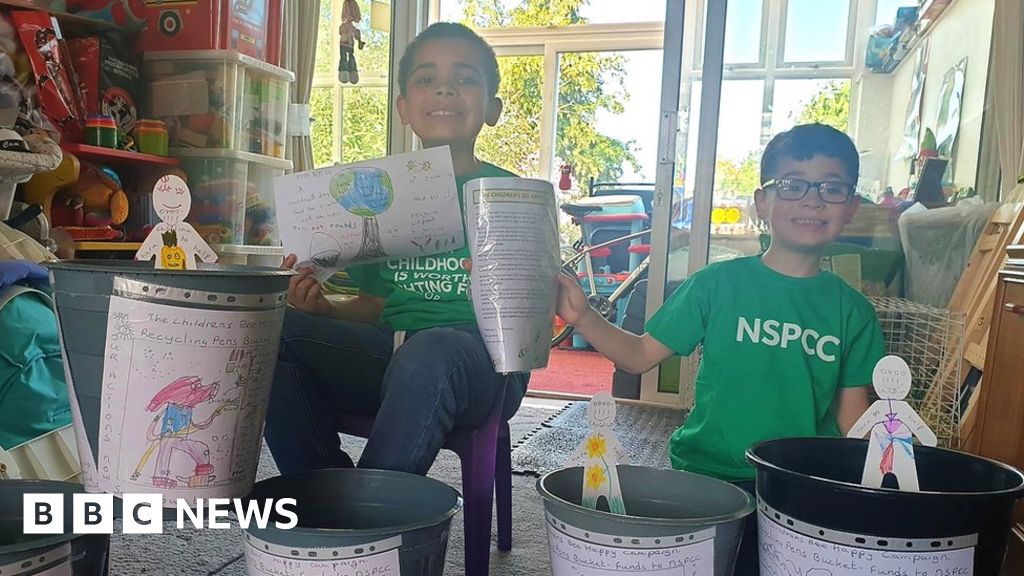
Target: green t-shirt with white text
[[775, 350], [425, 291]]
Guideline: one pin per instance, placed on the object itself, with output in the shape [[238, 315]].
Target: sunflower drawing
[[595, 477]]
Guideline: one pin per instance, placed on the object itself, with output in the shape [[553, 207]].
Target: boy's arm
[[632, 353], [851, 404]]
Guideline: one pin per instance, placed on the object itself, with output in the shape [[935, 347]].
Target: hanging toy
[[350, 35]]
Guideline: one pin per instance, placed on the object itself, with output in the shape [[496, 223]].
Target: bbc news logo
[[144, 513]]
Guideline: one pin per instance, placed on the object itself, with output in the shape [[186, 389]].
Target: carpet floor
[[642, 431], [574, 371]]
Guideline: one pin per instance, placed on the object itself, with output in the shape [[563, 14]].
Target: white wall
[[964, 30]]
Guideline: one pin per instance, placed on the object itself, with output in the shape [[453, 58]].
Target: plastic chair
[[486, 456]]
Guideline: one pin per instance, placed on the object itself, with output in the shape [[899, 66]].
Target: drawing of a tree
[[365, 192]]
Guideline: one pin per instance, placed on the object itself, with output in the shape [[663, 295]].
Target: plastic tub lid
[[230, 154], [220, 56]]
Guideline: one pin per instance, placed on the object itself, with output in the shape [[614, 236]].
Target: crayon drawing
[[184, 397]]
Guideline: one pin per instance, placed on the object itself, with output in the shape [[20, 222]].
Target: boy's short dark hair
[[450, 31], [803, 142]]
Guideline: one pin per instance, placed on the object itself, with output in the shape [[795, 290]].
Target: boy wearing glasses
[[787, 349]]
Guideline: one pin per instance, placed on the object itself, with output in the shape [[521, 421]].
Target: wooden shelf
[[932, 11], [107, 246], [118, 157]]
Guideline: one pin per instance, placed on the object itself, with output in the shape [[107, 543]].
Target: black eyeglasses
[[795, 189]]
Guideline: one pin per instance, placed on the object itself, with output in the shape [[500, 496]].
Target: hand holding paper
[[513, 241], [395, 207]]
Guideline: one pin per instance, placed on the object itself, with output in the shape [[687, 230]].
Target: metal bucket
[[169, 373], [46, 554], [677, 522], [815, 517], [355, 521]]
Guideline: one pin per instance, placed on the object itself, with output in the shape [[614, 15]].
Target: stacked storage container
[[226, 114]]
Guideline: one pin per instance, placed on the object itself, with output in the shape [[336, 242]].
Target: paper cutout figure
[[171, 428], [599, 454], [174, 241], [892, 425], [365, 192]]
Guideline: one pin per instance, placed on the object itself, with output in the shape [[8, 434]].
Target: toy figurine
[[350, 35], [892, 425], [173, 241]]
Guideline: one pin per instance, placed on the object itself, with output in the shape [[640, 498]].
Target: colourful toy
[[350, 36], [127, 15]]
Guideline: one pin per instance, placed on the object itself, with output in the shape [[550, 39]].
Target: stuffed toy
[[350, 36]]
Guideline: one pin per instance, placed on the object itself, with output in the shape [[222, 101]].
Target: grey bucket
[[81, 293], [25, 554], [349, 514], [665, 508]]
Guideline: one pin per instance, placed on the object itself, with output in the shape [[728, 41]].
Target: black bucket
[[27, 554], [363, 520], [815, 515]]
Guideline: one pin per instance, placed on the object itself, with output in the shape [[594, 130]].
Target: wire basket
[[931, 342]]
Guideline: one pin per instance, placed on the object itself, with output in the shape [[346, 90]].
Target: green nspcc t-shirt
[[776, 349], [425, 291]]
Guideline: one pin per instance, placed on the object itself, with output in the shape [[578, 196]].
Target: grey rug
[[643, 431]]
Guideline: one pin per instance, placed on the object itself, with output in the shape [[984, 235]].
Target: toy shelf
[[70, 24], [106, 246], [122, 157]]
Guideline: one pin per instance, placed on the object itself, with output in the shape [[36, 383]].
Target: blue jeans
[[438, 379]]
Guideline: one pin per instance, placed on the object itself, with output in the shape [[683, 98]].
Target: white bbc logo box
[[91, 514]]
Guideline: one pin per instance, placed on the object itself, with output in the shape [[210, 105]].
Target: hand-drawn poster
[[395, 207], [186, 380], [512, 224]]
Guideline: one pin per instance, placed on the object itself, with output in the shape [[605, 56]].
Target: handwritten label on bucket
[[579, 553], [786, 552], [58, 559], [261, 563]]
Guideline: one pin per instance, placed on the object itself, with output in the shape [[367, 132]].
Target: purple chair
[[486, 456]]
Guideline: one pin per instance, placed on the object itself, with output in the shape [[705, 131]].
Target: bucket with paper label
[[352, 521], [675, 523], [62, 554], [816, 518], [169, 372]]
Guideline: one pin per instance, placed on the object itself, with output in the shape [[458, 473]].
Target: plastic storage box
[[233, 196], [219, 99]]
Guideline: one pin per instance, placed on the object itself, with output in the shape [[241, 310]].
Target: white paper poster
[[785, 552], [575, 556], [512, 225], [184, 395], [395, 207], [259, 562]]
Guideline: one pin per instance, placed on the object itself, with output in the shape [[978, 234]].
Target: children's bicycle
[[605, 305]]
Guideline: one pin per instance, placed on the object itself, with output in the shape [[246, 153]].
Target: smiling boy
[[787, 349]]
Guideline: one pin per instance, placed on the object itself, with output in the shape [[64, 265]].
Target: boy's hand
[[304, 291], [572, 306]]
